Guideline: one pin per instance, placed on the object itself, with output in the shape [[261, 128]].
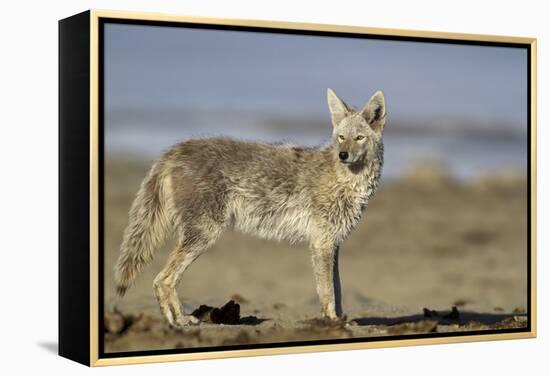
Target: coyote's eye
[[359, 138], [341, 138]]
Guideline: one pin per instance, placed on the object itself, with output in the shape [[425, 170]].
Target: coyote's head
[[356, 134]]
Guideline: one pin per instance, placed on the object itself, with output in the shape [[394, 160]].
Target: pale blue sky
[[189, 69]]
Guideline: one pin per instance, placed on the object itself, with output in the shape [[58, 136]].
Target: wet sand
[[426, 241]]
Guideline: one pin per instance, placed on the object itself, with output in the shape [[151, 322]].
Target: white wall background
[[28, 186]]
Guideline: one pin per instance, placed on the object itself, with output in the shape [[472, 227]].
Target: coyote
[[201, 187]]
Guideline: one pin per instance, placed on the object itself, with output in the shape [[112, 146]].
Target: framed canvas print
[[345, 187]]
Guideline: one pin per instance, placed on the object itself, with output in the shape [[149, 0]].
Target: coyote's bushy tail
[[145, 231]]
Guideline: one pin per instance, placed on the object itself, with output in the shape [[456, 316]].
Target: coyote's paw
[[335, 320], [186, 320]]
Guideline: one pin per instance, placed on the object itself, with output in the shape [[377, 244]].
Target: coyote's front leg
[[327, 277]]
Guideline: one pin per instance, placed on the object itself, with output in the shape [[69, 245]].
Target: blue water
[[465, 151]]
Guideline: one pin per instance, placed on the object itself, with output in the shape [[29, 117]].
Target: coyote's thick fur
[[199, 188]]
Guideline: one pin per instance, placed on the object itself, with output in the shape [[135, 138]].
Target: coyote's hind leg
[[167, 280]]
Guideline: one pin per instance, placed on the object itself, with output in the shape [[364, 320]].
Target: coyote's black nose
[[343, 155]]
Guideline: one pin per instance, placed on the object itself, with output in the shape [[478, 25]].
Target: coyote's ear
[[338, 109], [375, 111]]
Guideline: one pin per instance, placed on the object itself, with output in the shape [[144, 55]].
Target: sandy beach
[[426, 242]]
